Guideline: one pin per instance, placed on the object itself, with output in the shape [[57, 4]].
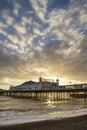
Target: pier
[[47, 89], [60, 94]]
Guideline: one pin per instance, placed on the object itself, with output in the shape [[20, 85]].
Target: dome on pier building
[[40, 79], [57, 81]]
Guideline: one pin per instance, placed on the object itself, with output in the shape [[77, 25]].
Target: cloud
[[26, 20], [40, 8], [20, 28], [13, 36], [36, 31], [3, 25], [9, 45], [83, 18], [54, 44], [31, 38], [74, 68], [6, 16], [17, 6], [9, 60]]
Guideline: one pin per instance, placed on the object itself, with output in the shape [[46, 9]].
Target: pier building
[[43, 84]]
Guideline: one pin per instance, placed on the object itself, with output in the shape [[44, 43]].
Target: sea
[[21, 110]]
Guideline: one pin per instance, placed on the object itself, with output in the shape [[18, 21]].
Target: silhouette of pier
[[54, 94]]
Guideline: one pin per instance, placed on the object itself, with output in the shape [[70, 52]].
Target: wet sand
[[71, 123]]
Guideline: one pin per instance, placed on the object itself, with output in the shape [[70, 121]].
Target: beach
[[69, 123]]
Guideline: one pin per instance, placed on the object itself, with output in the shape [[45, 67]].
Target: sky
[[46, 38]]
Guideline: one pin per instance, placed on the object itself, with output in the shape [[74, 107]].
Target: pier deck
[[59, 94]]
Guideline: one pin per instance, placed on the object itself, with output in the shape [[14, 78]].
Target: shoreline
[[67, 123]]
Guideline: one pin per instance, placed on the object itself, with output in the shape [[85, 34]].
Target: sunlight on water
[[30, 108]]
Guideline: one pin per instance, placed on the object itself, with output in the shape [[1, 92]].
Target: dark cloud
[[73, 68]]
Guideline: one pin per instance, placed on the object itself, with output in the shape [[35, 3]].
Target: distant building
[[84, 85], [43, 84], [76, 86]]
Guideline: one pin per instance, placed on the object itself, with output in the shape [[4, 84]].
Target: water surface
[[16, 110]]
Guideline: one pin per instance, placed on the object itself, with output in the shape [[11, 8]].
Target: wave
[[4, 100], [34, 118]]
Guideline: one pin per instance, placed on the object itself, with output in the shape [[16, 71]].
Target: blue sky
[[45, 38]]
